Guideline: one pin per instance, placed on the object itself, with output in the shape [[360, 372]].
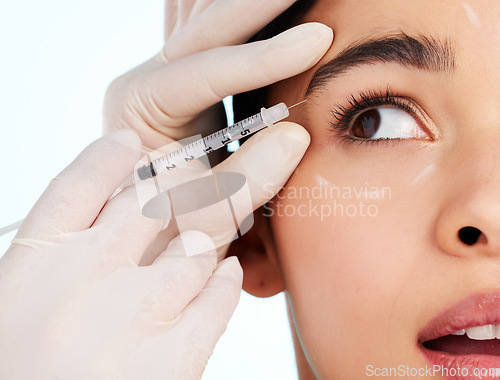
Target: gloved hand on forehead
[[203, 60], [75, 302]]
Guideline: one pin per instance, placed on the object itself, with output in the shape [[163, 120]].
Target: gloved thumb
[[268, 159]]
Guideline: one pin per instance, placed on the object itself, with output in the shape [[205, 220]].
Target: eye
[[374, 116], [386, 123]]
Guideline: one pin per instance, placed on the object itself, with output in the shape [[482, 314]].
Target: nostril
[[469, 235]]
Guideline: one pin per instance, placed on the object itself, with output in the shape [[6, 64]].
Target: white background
[[57, 58]]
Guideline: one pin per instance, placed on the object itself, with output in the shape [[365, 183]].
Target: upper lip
[[478, 310]]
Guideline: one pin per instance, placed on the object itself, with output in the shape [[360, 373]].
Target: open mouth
[[464, 341], [479, 340]]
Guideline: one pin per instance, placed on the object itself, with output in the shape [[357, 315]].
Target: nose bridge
[[469, 224]]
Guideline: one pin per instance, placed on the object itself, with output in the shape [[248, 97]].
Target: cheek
[[347, 253]]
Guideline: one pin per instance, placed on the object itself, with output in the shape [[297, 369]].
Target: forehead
[[462, 21]]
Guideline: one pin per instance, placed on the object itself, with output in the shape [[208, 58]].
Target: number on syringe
[[189, 157], [170, 166]]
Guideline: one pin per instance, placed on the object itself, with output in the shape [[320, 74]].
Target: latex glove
[[202, 62], [75, 303]]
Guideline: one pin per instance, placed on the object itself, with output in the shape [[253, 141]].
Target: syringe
[[266, 118]]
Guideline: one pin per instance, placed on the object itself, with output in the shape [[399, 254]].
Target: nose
[[469, 222]]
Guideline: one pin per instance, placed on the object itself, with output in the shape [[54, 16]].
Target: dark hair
[[250, 103]]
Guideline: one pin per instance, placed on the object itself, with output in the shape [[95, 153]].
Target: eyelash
[[367, 100]]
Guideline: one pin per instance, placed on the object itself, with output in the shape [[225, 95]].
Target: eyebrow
[[420, 52]]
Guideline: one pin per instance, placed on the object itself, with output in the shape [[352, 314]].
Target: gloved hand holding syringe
[[196, 149], [79, 251], [266, 118]]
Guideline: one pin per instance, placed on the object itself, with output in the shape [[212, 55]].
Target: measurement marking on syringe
[[169, 165], [188, 156]]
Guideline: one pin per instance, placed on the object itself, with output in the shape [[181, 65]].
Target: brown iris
[[366, 125]]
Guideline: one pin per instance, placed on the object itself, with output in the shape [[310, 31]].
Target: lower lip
[[464, 367]]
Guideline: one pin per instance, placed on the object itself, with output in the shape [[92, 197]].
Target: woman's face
[[393, 216]]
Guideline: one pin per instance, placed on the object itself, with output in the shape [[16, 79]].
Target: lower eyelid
[[356, 142], [353, 143]]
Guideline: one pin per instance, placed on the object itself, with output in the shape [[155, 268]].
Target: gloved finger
[[180, 348], [177, 276], [199, 6], [122, 217], [223, 23], [189, 9], [178, 13], [171, 15], [221, 205], [74, 198], [206, 78], [203, 321]]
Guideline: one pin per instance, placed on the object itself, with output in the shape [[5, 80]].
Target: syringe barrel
[[274, 114], [196, 149]]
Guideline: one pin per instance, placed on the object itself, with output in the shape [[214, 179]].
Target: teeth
[[486, 332], [481, 332]]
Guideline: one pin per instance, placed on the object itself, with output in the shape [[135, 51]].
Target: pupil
[[367, 124]]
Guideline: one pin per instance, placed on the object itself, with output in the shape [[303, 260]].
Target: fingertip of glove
[[322, 31], [230, 267], [296, 132], [311, 33], [194, 243]]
